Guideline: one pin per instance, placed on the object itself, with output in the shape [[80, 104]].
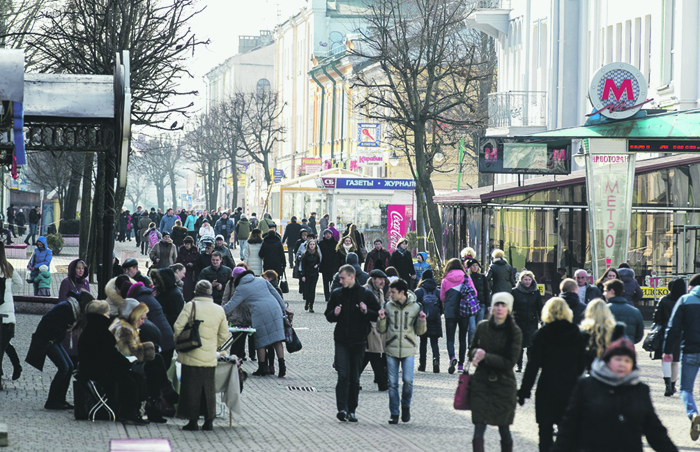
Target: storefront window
[[366, 213], [301, 203]]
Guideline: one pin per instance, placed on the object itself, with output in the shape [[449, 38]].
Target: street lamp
[[394, 159], [580, 157], [439, 156]]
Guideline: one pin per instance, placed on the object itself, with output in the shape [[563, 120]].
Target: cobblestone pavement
[[275, 418]]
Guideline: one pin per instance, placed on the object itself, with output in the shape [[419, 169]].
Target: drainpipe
[[332, 115], [320, 127], [342, 112]]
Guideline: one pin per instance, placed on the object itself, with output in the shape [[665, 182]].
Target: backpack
[[430, 306], [152, 238], [253, 223], [469, 301]]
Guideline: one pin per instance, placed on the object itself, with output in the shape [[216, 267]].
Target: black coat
[[203, 261], [168, 294], [272, 254], [558, 349], [178, 235], [54, 324], [527, 310], [403, 263], [97, 351], [604, 418], [576, 306], [662, 314], [377, 259], [482, 288], [352, 326], [291, 233], [434, 326], [310, 264], [330, 257], [155, 314], [220, 275], [500, 276], [591, 351]]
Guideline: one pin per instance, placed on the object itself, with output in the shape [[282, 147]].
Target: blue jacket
[[41, 257], [224, 227], [630, 316], [684, 324], [190, 222], [167, 223], [420, 267]]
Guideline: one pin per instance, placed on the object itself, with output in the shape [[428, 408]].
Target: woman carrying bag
[[310, 268], [11, 282]]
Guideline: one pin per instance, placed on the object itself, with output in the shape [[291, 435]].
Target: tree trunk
[[85, 207], [97, 238], [427, 186], [173, 190], [72, 195], [234, 182], [420, 218], [160, 195]]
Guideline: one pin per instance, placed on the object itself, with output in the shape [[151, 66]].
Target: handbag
[[294, 345], [654, 338], [463, 393], [91, 402], [189, 338], [36, 356], [284, 285]]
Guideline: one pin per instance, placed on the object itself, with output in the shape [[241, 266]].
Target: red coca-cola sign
[[399, 219]]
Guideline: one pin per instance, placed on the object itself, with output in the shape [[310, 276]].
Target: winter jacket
[[72, 282], [128, 338], [251, 256], [323, 224], [167, 223], [114, 298], [144, 295], [684, 326], [360, 276], [264, 224], [190, 222], [402, 327], [527, 310], [144, 221], [200, 221], [266, 309], [186, 257], [243, 229], [224, 227], [630, 316], [558, 349], [377, 259], [207, 231], [55, 323], [591, 348], [213, 331], [97, 352], [451, 294], [633, 292], [41, 256], [420, 267], [291, 233], [178, 235], [310, 264], [342, 254], [330, 257], [220, 275], [578, 308], [403, 263], [601, 417], [123, 220], [240, 316], [227, 258], [662, 316], [272, 254], [375, 340], [34, 216], [434, 326], [163, 254], [592, 292], [359, 240], [335, 232], [482, 288], [43, 280], [20, 219], [493, 387], [500, 276], [7, 304], [168, 294], [352, 326]]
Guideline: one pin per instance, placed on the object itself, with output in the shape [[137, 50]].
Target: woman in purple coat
[[76, 280], [187, 256]]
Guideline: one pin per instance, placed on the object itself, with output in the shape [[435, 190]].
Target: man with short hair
[[323, 223], [135, 218], [569, 289], [586, 292], [330, 263], [403, 320], [131, 269], [243, 228], [377, 258], [684, 326], [614, 293], [312, 223], [167, 222], [374, 354], [34, 219], [352, 308], [217, 275], [291, 235], [224, 226], [225, 252]]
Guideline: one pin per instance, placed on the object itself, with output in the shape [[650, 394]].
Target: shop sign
[[311, 165], [498, 156], [648, 292], [329, 182], [399, 217], [276, 175], [368, 135], [375, 184], [618, 91], [370, 157]]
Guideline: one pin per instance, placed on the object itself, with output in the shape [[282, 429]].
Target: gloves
[[521, 401], [522, 395]]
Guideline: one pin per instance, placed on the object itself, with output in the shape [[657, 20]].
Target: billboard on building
[[499, 156]]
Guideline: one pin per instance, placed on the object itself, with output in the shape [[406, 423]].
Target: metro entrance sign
[[617, 91]]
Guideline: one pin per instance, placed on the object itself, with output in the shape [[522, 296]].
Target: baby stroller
[[204, 241]]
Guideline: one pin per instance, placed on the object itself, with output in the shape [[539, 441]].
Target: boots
[[673, 387], [153, 411], [478, 445], [436, 366], [421, 365], [669, 389], [506, 447], [262, 370], [311, 308], [208, 425], [283, 368]]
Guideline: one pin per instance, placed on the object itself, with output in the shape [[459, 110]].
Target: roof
[[481, 195]]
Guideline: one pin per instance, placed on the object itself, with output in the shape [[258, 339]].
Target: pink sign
[[399, 218]]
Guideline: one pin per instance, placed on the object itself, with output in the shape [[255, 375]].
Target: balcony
[[518, 109]]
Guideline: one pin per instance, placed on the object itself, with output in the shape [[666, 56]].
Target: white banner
[[370, 157]]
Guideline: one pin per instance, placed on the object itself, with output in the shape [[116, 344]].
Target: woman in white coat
[[10, 279], [251, 251]]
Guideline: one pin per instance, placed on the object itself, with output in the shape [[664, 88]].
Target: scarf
[[401, 250], [601, 372], [347, 248]]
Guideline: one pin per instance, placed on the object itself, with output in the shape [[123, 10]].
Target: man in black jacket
[[329, 261], [586, 292], [482, 293], [291, 235], [377, 258], [217, 275], [352, 308], [569, 293], [34, 219], [272, 253]]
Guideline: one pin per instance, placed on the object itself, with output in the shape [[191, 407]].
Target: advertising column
[[399, 218], [610, 184]]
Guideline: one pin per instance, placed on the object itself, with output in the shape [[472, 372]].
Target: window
[[263, 86]]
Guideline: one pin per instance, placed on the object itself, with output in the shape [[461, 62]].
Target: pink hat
[[237, 271]]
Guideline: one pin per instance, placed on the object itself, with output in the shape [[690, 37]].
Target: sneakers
[[342, 415], [352, 417], [695, 427], [460, 368], [453, 363]]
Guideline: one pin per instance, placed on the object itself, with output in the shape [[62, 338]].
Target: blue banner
[[376, 184]]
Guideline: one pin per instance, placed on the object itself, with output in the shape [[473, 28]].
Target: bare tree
[[203, 149], [50, 171], [137, 186], [422, 64], [254, 119], [150, 160], [229, 145]]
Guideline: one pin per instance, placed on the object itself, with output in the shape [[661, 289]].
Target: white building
[[548, 51]]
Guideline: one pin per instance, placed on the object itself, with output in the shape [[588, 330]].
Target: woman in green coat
[[494, 350]]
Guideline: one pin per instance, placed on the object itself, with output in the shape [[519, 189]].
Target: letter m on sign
[[491, 153], [559, 155], [625, 87]]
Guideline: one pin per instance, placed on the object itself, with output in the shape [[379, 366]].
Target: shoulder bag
[[284, 285], [463, 400], [189, 338], [654, 338]]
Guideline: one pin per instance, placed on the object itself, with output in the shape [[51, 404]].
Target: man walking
[[403, 321], [167, 222], [586, 292], [684, 326], [34, 219], [243, 228], [352, 308], [615, 295], [224, 226], [377, 258], [218, 275], [312, 223], [291, 235]]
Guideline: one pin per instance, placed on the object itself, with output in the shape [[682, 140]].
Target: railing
[[518, 109], [502, 4]]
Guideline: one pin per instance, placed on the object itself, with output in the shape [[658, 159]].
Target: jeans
[[348, 361], [474, 321], [32, 232], [290, 254], [690, 362], [392, 365], [242, 244], [451, 325], [59, 385], [424, 348]]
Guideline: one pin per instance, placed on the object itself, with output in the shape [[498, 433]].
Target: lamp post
[[394, 159]]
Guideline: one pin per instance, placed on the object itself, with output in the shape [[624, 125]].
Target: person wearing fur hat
[[527, 310], [494, 352], [188, 255], [611, 409], [164, 253]]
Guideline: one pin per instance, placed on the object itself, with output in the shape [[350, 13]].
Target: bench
[[18, 251], [135, 444], [33, 299]]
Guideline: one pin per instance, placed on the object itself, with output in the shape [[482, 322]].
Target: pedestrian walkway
[[277, 418]]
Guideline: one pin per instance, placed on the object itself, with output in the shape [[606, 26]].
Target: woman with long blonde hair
[[599, 329]]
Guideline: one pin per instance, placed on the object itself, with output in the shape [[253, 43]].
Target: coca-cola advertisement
[[399, 220]]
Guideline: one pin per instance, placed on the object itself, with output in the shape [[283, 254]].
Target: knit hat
[[133, 288], [219, 237], [622, 346], [376, 273], [127, 307], [471, 262], [237, 271], [43, 268], [124, 288], [203, 287], [165, 233], [503, 297], [328, 231], [188, 239], [428, 274], [243, 217], [694, 281]]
